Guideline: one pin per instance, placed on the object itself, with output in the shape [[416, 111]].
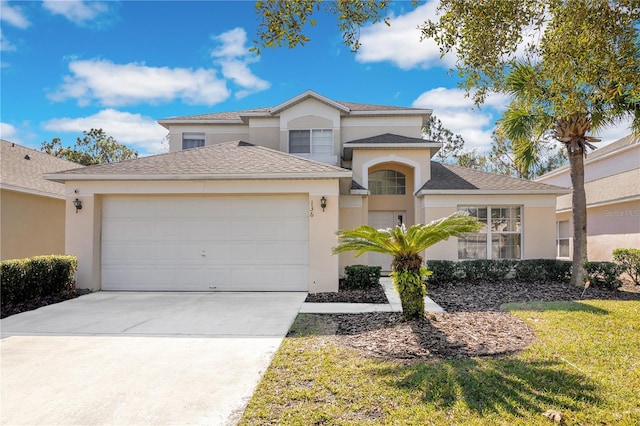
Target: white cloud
[[400, 43], [233, 57], [130, 129], [613, 133], [5, 45], [8, 132], [459, 114], [115, 85], [13, 15], [77, 11]]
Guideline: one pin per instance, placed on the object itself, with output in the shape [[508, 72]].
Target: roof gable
[[228, 160], [22, 170], [345, 108]]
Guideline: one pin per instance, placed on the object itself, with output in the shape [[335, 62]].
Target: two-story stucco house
[[251, 200], [612, 187]]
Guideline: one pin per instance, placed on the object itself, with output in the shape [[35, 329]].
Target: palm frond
[[404, 242]]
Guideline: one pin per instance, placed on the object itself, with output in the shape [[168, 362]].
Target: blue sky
[[68, 66]]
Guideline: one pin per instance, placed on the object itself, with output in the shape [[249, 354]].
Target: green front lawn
[[585, 365]]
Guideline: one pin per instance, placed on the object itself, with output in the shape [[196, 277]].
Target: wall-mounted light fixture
[[77, 204], [323, 202]]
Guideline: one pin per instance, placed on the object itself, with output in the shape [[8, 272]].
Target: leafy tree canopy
[[94, 148], [452, 144], [586, 52]]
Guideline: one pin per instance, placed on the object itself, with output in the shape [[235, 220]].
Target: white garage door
[[208, 243]]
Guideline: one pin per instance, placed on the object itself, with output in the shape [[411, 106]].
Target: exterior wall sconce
[[77, 204], [323, 203]]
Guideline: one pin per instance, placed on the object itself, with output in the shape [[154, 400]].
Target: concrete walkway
[[394, 304]]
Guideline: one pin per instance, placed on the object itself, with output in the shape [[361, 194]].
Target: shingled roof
[[22, 170], [389, 138], [347, 107], [447, 178], [228, 160]]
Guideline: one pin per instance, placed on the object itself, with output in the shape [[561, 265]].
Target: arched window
[[387, 182]]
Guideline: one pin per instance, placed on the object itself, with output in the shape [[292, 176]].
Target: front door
[[383, 220]]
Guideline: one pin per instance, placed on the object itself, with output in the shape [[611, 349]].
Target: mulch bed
[[370, 295], [16, 308], [473, 325]]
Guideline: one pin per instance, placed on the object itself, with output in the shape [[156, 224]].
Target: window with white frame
[[500, 236], [563, 238], [192, 140], [387, 182], [313, 141]]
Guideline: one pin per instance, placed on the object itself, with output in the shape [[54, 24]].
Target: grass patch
[[586, 365]]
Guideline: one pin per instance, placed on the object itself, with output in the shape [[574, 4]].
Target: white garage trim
[[205, 243]]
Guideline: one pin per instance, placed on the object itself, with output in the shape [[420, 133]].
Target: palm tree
[[530, 120], [405, 245]]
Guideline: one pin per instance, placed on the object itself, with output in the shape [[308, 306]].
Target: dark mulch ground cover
[[473, 325], [16, 308], [372, 295]]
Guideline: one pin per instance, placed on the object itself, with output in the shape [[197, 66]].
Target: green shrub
[[41, 276], [604, 274], [531, 270], [629, 261], [442, 271], [486, 269], [361, 276]]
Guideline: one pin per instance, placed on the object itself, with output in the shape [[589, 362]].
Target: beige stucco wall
[[83, 230], [609, 227], [538, 221], [265, 132], [214, 133], [354, 128], [622, 161], [353, 213], [417, 159], [30, 225], [395, 202]]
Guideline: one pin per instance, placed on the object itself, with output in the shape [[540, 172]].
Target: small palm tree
[[405, 245]]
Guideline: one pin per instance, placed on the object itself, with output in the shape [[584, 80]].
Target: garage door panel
[[122, 229], [183, 207], [295, 252], [204, 243], [216, 230], [297, 229]]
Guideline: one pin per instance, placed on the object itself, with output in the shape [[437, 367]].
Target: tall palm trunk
[[572, 132], [579, 201]]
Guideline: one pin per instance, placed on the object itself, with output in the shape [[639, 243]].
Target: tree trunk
[[579, 198], [408, 281]]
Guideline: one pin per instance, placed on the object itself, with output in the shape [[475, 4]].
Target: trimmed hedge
[[629, 261], [470, 270], [40, 276], [361, 276], [543, 270], [600, 274]]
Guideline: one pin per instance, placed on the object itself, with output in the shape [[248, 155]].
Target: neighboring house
[[32, 209], [251, 200], [612, 186]]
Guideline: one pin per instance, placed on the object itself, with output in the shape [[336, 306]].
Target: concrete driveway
[[141, 358]]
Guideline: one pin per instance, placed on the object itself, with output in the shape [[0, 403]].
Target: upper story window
[[192, 140], [387, 182], [314, 141], [500, 236]]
